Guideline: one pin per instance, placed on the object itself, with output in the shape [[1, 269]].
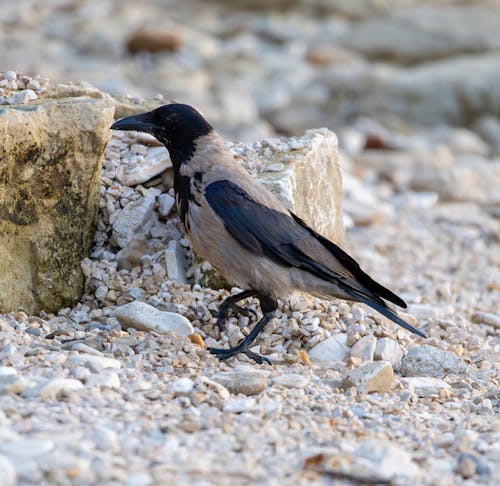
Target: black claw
[[258, 358], [222, 354], [245, 311]]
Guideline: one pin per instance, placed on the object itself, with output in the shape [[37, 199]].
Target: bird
[[247, 233]]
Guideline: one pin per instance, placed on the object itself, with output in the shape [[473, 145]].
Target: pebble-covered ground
[[86, 400], [350, 397]]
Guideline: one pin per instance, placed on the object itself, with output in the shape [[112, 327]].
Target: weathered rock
[[50, 154], [165, 204], [146, 318], [388, 349], [371, 377], [425, 386], [153, 164], [153, 40], [486, 318], [290, 380], [428, 361], [7, 472], [96, 362], [104, 379], [56, 387], [130, 256], [134, 219], [332, 349], [181, 386], [246, 382], [364, 348], [175, 261]]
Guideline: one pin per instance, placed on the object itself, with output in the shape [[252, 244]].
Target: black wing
[[287, 240]]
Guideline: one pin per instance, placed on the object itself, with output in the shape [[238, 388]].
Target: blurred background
[[260, 67]]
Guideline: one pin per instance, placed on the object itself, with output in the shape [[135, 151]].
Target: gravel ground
[[83, 401]]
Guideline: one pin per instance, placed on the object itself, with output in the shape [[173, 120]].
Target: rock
[[428, 361], [13, 383], [130, 256], [153, 40], [97, 362], [364, 348], [468, 465], [332, 349], [290, 380], [26, 447], [486, 318], [175, 262], [7, 472], [239, 405], [425, 386], [371, 377], [388, 349], [104, 379], [50, 200], [55, 388], [165, 204], [182, 386], [133, 220], [386, 461], [154, 163], [22, 97], [146, 318], [245, 382], [415, 34]]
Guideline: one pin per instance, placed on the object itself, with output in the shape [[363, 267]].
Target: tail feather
[[385, 311]]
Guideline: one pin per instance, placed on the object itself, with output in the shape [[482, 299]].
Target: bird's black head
[[177, 126]]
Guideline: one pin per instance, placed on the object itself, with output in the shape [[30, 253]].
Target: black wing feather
[[265, 231]]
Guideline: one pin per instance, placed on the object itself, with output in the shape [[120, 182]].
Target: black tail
[[385, 311]]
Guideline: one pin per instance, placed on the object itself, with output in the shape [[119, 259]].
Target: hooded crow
[[245, 232]]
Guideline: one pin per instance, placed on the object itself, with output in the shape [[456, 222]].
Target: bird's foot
[[237, 310], [224, 354]]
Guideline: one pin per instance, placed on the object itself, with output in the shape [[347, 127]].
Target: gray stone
[[428, 361], [147, 318], [290, 380], [104, 379], [245, 382], [486, 318], [239, 405], [165, 204], [133, 220], [153, 164], [13, 383], [56, 388], [332, 349], [7, 472], [425, 386], [371, 377], [364, 348], [26, 447], [130, 256], [98, 362], [22, 97], [388, 349], [175, 262], [50, 200], [181, 386]]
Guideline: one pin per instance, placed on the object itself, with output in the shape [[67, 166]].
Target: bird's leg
[[230, 303], [268, 305]]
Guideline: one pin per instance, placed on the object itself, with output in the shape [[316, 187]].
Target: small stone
[[466, 466], [26, 447], [144, 317], [425, 386], [153, 40], [56, 387], [364, 348], [388, 349], [134, 219], [182, 386], [486, 318], [154, 163], [7, 472], [106, 439], [332, 349], [175, 262], [13, 383], [290, 380], [10, 75], [99, 362], [239, 405], [246, 382], [130, 256], [7, 370], [100, 292], [165, 204], [104, 379], [371, 377], [428, 361]]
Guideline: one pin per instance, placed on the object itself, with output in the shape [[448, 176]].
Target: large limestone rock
[[50, 157], [304, 173]]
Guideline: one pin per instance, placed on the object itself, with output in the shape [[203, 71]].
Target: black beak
[[139, 123]]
